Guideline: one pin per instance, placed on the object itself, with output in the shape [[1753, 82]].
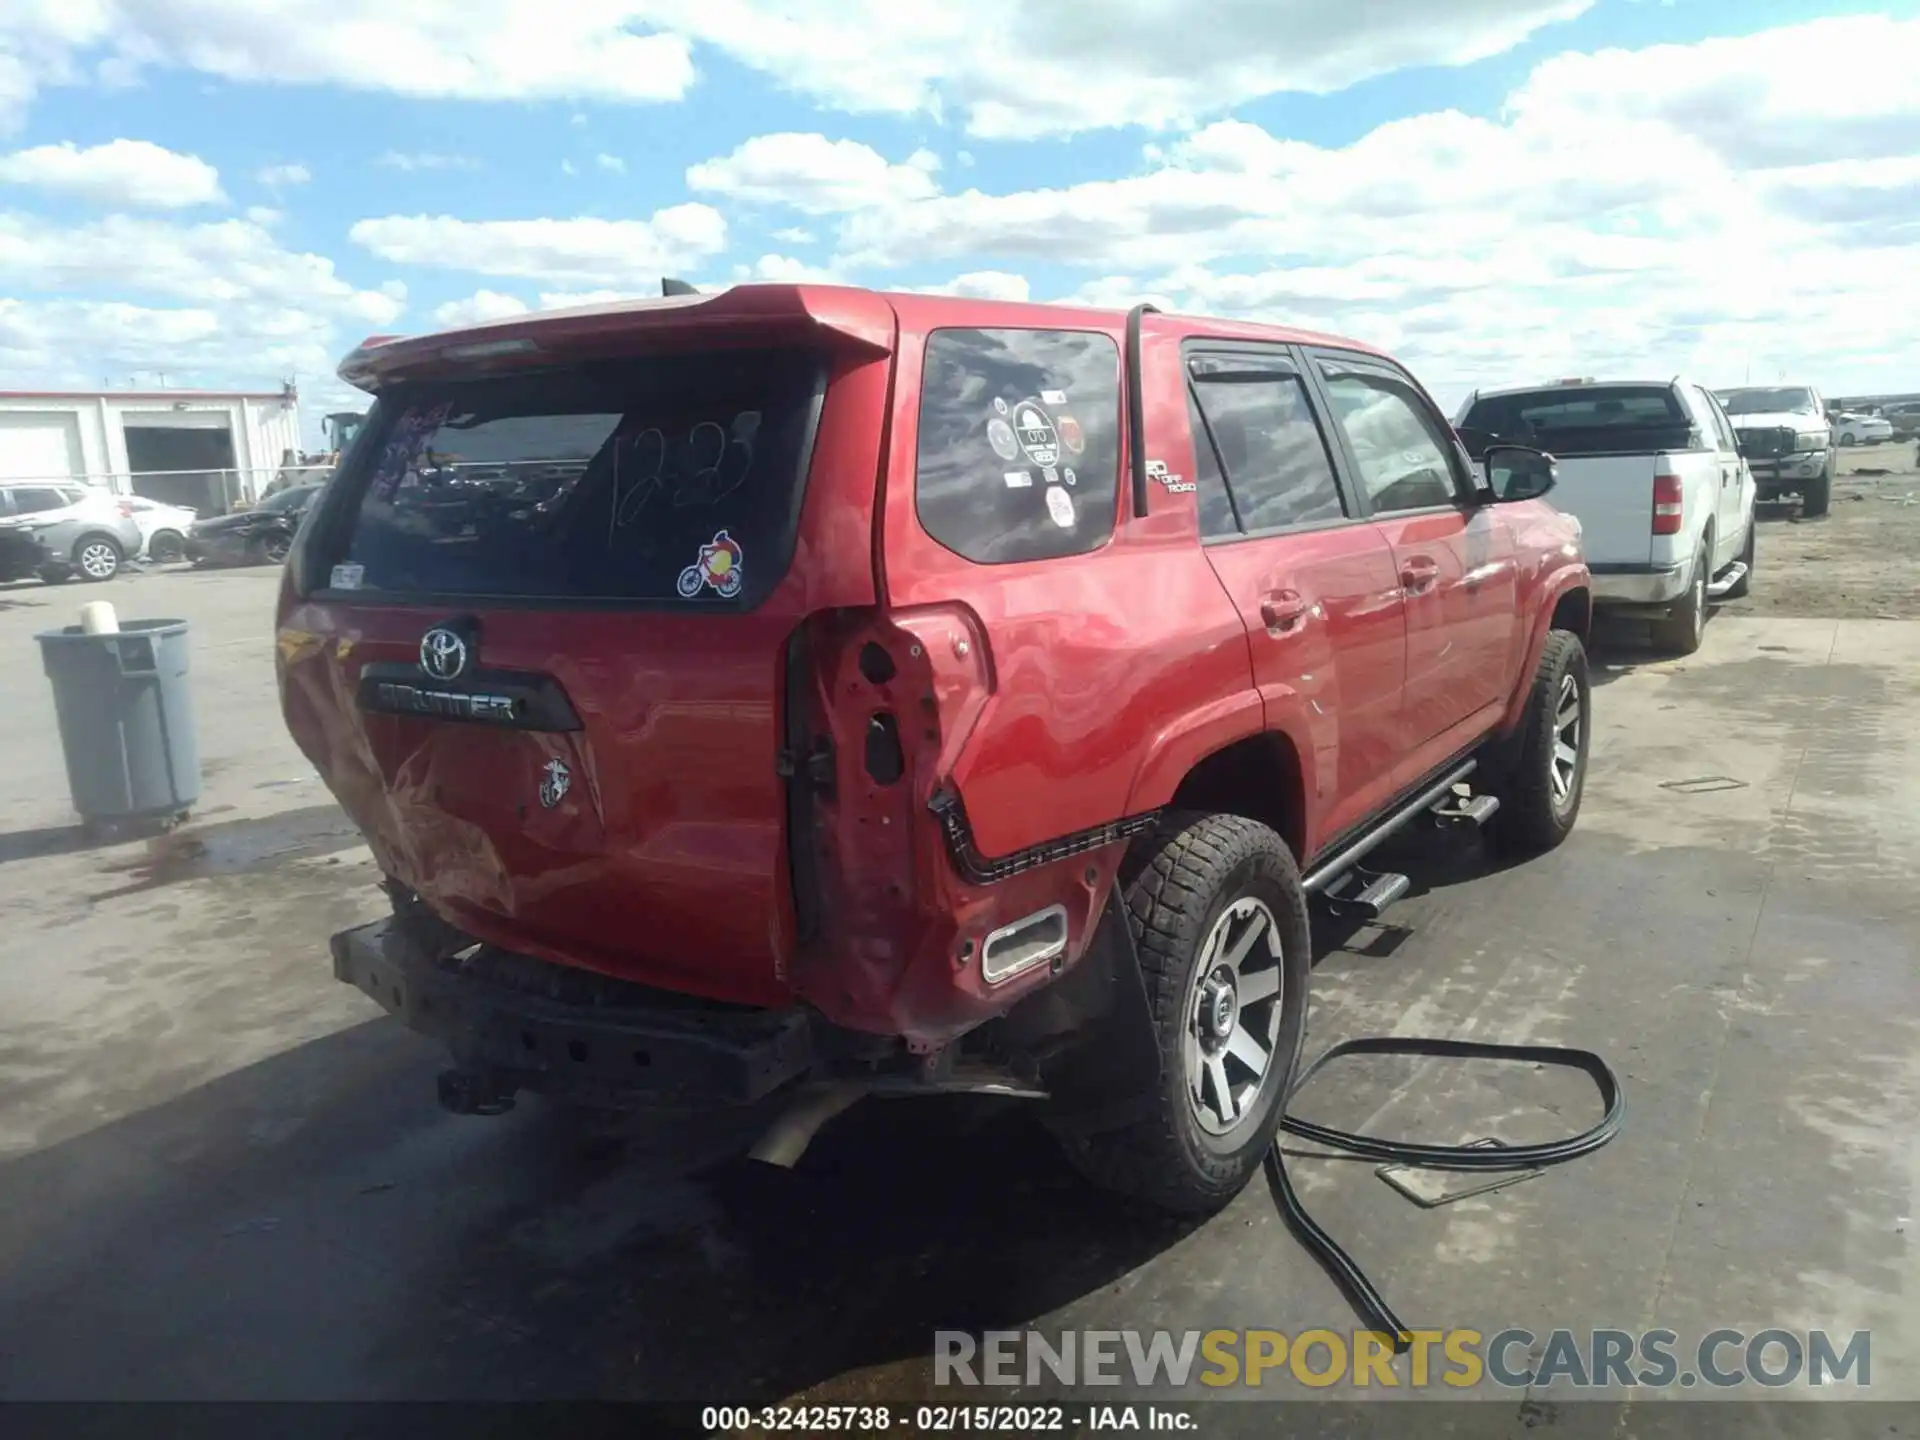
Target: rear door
[[1454, 557], [1735, 481], [541, 655], [1314, 583]]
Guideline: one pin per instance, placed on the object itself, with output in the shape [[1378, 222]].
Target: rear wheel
[[97, 557], [1540, 789], [1686, 625], [1220, 923], [273, 549], [166, 547]]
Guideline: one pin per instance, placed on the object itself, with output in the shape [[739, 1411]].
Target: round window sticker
[[999, 405], [1034, 429], [1060, 507], [1000, 436], [1072, 436]]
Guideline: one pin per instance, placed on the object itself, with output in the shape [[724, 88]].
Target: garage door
[[39, 445]]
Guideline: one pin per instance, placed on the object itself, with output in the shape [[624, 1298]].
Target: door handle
[[1418, 575], [1282, 610]]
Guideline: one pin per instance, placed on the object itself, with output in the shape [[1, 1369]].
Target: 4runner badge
[[721, 565], [555, 779]]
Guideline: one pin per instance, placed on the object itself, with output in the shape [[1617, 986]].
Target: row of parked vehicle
[[62, 532]]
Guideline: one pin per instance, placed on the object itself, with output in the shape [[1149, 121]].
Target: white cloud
[[409, 161], [212, 304], [1087, 64], [785, 270], [133, 173], [283, 177], [984, 285], [578, 252], [485, 305], [479, 307], [814, 174], [265, 215], [1597, 222], [794, 235], [491, 50], [613, 164]]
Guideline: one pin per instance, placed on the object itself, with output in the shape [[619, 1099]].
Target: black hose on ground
[[1340, 1265]]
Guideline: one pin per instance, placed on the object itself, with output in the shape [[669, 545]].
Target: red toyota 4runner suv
[[801, 690]]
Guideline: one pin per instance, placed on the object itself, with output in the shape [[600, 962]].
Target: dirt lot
[[1861, 562]]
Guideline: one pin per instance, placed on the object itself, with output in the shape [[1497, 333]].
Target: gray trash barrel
[[126, 719]]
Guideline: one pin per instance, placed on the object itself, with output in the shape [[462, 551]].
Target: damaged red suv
[[802, 692]]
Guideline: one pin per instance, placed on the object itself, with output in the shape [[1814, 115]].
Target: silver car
[[89, 531]]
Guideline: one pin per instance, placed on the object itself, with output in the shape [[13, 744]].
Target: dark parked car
[[22, 553], [260, 536]]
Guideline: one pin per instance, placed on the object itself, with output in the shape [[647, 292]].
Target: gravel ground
[[1859, 562]]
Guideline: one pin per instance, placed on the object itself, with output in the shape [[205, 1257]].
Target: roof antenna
[[677, 287]]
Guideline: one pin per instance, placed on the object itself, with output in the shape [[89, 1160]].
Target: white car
[[163, 528], [1852, 429]]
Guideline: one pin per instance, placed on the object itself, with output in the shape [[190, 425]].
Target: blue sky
[[230, 192]]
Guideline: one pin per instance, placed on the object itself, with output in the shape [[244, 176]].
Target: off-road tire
[[1686, 624], [1815, 496], [1177, 881], [1532, 818], [1744, 586]]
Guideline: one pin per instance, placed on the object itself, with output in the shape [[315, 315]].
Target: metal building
[[213, 450]]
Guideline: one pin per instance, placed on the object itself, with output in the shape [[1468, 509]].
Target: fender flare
[[1564, 581], [1191, 738]]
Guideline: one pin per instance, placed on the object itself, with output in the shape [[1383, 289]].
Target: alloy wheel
[[1567, 722], [98, 560], [1233, 1017]]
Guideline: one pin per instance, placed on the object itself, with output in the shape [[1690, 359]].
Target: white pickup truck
[[1653, 470]]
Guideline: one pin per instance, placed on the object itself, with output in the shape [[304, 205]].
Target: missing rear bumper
[[627, 1049]]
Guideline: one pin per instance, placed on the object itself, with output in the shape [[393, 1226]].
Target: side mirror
[[1518, 472]]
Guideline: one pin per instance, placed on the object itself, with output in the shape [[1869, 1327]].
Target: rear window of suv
[[1019, 455], [674, 479]]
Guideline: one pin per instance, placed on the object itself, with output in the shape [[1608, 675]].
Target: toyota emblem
[[443, 654]]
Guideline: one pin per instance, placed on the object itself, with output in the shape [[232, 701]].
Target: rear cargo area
[[539, 652]]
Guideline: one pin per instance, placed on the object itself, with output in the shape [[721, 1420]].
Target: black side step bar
[[1350, 890]]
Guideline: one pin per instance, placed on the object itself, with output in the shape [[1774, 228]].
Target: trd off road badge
[[555, 780], [1157, 470], [721, 567]]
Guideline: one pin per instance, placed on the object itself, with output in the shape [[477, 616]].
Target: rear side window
[[38, 499], [673, 480], [1274, 458], [1019, 453]]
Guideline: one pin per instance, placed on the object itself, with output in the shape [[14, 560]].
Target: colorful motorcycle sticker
[[1060, 507], [1071, 435], [721, 565], [1000, 437], [1033, 428]]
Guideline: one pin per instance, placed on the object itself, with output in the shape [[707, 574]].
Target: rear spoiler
[[682, 314]]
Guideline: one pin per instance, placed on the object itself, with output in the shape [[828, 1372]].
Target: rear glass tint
[[1019, 442], [1543, 412], [675, 479]]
